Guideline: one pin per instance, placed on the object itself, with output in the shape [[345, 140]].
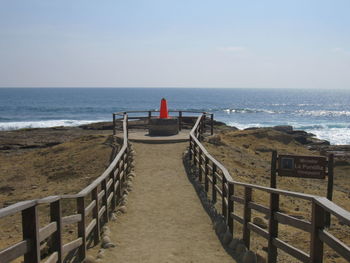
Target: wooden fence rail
[[105, 193], [215, 174]]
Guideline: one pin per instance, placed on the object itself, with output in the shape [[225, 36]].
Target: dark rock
[[284, 128]]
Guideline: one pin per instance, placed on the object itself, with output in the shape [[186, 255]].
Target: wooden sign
[[302, 166]]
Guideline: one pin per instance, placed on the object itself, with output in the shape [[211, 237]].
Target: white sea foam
[[43, 124], [323, 113], [250, 111], [338, 135]]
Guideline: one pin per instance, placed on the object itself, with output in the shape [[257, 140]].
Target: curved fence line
[[106, 192], [218, 182], [104, 195]]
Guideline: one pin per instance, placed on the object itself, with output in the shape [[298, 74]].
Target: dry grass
[[247, 156]]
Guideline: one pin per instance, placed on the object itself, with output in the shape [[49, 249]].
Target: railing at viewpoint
[[218, 182], [103, 194]]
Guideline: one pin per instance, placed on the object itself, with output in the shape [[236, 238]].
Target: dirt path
[[165, 221]]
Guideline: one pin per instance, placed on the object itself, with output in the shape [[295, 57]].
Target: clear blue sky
[[253, 43]]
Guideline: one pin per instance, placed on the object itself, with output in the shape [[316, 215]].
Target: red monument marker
[[164, 114]]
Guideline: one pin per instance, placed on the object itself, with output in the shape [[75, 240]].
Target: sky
[[179, 43]]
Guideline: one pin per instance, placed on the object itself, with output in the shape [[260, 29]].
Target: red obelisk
[[163, 109]]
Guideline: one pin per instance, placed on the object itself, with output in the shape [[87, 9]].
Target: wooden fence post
[[114, 131], [317, 223], [246, 216], [180, 120], [273, 228], [329, 187], [214, 184], [82, 227], [206, 180], [211, 124], [104, 201], [30, 229], [94, 195], [190, 148], [194, 153], [224, 195], [230, 206], [56, 239], [113, 202], [200, 173]]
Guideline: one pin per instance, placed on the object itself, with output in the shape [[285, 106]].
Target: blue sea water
[[324, 113]]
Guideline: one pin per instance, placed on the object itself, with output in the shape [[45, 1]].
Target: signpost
[[314, 167]]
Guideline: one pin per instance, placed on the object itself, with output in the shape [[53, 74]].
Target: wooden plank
[[218, 190], [53, 258], [30, 230], [230, 207], [19, 249], [333, 242], [206, 174], [101, 212], [318, 221], [237, 218], [200, 170], [237, 199], [116, 185], [116, 171], [72, 245], [218, 176], [90, 227], [15, 208], [246, 216], [334, 209], [273, 228], [292, 221], [262, 232], [297, 253], [100, 195], [48, 200], [81, 227], [109, 199], [213, 186], [104, 201], [56, 238], [260, 208], [109, 183], [47, 230], [89, 208], [68, 220], [95, 211]]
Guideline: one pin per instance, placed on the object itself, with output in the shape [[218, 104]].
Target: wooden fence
[[105, 193], [218, 182]]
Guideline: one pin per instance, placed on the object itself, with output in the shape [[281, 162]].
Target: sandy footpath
[[165, 221]]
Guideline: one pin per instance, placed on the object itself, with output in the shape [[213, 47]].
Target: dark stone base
[[163, 127]]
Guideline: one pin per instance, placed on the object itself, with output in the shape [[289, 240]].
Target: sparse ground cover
[[41, 162], [247, 156], [36, 163]]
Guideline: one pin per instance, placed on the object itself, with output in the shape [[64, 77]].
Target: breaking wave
[[6, 126]]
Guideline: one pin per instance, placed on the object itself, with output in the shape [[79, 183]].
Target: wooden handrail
[[30, 246], [320, 206]]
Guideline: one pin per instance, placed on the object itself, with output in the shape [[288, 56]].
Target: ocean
[[323, 113]]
